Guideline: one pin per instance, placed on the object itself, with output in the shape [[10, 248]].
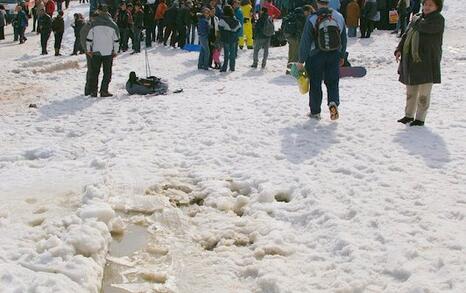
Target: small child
[[216, 57]]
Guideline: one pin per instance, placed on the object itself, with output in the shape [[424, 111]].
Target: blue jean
[[352, 31], [229, 53], [323, 66], [203, 62]]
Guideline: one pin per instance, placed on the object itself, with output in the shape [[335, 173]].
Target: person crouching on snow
[[420, 51]]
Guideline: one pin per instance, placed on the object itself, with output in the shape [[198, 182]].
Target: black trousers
[[170, 30], [44, 38], [98, 61], [181, 36], [2, 32], [58, 39], [149, 34]]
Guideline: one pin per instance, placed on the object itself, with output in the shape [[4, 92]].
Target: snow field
[[238, 190]]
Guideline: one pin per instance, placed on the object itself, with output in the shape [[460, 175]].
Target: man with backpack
[[264, 30], [322, 49]]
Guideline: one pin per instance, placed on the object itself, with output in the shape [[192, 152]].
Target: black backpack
[[293, 23], [327, 32]]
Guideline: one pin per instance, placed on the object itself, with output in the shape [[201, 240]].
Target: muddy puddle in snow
[[122, 247]]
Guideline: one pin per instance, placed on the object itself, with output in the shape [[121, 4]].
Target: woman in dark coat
[[420, 50]]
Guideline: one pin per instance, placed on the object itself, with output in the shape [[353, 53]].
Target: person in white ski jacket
[[102, 44]]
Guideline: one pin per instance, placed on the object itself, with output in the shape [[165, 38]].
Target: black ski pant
[[58, 39], [106, 63], [160, 27], [170, 30], [44, 38], [181, 36], [149, 35]]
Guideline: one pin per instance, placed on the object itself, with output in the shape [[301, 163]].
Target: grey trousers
[[261, 44], [418, 100], [293, 49]]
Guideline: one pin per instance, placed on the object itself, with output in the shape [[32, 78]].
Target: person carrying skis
[[322, 49], [58, 28], [420, 51]]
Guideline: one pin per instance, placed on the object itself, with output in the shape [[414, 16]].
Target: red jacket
[[272, 10], [50, 7]]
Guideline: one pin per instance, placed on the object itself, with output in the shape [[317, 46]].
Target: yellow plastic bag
[[303, 83]]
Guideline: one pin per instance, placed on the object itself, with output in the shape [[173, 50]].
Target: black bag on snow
[[145, 86]]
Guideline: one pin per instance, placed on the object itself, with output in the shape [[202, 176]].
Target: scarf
[[411, 45]]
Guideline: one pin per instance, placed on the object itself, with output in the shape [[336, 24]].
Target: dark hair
[[438, 3], [60, 12], [264, 10], [310, 8], [2, 7], [228, 10]]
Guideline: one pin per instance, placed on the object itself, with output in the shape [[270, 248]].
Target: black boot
[[417, 123], [105, 94], [405, 120]]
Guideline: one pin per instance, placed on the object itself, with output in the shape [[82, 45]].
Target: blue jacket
[[203, 27], [22, 19], [240, 17], [307, 46], [334, 4]]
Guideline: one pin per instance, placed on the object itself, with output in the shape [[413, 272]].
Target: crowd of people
[[316, 32]]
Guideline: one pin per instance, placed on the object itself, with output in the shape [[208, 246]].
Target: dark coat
[[138, 20], [58, 25], [170, 16], [183, 18], [430, 30], [78, 25], [260, 26], [45, 23]]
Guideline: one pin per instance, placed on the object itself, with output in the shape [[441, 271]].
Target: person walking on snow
[[21, 23], [323, 59], [261, 38], [420, 51], [102, 43], [58, 28]]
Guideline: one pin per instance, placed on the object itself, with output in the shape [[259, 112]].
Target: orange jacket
[[352, 14], [160, 12]]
